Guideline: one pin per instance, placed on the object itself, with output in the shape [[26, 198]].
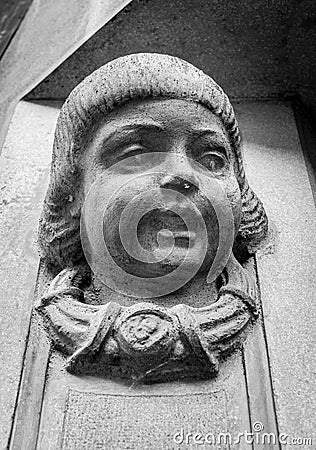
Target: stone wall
[[255, 49]]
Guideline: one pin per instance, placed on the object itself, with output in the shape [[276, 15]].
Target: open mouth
[[181, 238], [164, 224], [166, 219]]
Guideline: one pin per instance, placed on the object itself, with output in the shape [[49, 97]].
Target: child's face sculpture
[[148, 188], [191, 147]]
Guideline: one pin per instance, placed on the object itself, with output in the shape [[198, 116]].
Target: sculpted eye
[[136, 158], [134, 151], [215, 162]]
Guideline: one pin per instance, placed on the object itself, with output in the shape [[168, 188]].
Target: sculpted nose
[[178, 183], [181, 176]]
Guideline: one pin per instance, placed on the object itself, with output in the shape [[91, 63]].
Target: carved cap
[[136, 76]]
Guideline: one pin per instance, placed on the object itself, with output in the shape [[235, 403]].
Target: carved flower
[[146, 332], [142, 327]]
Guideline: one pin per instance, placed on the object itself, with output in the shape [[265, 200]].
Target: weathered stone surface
[[11, 15], [241, 412], [287, 269], [24, 169], [301, 52], [48, 34], [64, 421], [253, 49], [241, 44], [95, 420], [287, 282], [140, 154]]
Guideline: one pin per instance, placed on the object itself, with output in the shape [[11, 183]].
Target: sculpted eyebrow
[[217, 140], [201, 132], [128, 130]]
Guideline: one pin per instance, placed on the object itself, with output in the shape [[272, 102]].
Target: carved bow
[[147, 338]]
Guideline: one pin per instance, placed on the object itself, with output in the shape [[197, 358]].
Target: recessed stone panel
[[96, 420]]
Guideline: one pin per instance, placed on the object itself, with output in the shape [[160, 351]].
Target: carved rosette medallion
[[145, 331]]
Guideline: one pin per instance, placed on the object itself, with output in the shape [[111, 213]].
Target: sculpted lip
[[179, 235], [166, 223], [170, 220]]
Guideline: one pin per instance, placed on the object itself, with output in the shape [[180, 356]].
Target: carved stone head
[[143, 87], [128, 118]]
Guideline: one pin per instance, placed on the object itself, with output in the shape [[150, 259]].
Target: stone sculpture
[[152, 137]]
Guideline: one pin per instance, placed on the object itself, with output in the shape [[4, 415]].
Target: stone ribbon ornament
[[144, 340], [146, 225]]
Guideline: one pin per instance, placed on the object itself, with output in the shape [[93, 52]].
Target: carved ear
[[74, 327]]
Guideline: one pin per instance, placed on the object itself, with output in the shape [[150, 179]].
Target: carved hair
[[137, 76]]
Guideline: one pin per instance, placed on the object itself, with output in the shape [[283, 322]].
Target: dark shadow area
[[254, 50]]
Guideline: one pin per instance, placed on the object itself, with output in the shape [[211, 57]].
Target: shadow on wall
[[254, 49], [301, 47]]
